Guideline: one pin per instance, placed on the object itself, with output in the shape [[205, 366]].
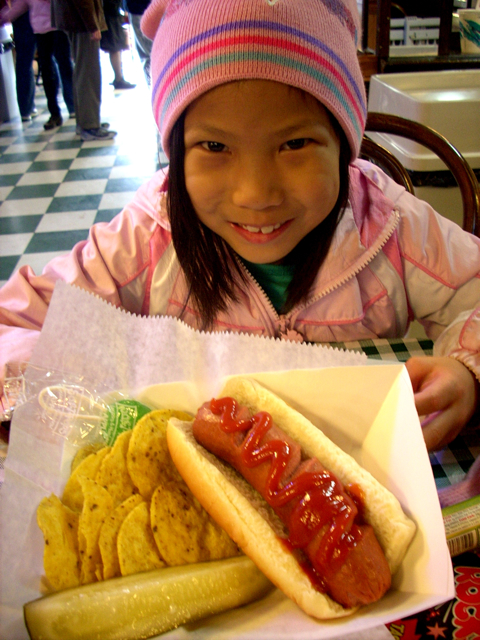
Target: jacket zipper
[[371, 254], [260, 288]]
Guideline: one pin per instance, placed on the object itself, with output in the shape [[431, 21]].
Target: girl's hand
[[446, 395]]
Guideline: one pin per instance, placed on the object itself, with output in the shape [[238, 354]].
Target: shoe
[[123, 84], [97, 134], [55, 121], [33, 114], [103, 125]]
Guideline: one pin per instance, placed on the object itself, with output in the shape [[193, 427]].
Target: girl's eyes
[[291, 145], [216, 147], [297, 143]]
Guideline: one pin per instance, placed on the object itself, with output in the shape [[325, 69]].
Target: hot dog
[[346, 559], [329, 559]]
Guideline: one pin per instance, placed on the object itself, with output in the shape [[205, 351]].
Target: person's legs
[[119, 81], [87, 79], [113, 42], [116, 62], [63, 57], [87, 87], [45, 45], [25, 50], [142, 44]]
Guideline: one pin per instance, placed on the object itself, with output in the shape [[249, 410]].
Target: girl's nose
[[257, 186]]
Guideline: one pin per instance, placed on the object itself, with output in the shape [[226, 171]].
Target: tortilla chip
[[87, 468], [148, 460], [61, 559], [218, 543], [83, 453], [136, 546], [178, 524], [107, 541], [113, 474], [97, 504]]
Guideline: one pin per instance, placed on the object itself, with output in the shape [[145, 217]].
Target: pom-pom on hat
[[308, 44]]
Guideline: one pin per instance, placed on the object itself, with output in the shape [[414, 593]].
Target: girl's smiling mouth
[[260, 234], [267, 229]]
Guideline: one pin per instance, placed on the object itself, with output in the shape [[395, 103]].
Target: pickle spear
[[145, 604]]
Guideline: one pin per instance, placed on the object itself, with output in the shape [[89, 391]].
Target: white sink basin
[[448, 101]]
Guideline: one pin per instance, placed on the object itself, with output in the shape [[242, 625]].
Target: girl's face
[[261, 166]]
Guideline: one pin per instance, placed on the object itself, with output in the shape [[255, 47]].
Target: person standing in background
[[53, 49], [114, 41], [83, 21], [135, 9]]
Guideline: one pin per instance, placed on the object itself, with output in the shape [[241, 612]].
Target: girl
[[267, 222]]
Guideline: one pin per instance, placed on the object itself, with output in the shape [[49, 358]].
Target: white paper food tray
[[367, 410]]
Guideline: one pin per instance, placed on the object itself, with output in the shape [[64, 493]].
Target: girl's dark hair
[[211, 266]]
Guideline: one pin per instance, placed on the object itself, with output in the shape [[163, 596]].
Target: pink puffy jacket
[[392, 259]]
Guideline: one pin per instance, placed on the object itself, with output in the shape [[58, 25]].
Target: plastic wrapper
[[82, 412]]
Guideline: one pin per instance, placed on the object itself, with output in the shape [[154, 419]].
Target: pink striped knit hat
[[309, 44]]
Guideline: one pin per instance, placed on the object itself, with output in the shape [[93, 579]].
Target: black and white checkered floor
[[54, 186]]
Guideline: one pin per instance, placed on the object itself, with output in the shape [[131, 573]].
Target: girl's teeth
[[264, 230]]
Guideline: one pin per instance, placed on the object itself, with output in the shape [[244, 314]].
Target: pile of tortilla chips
[[125, 509]]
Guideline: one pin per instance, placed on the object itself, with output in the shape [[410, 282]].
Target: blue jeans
[[25, 50], [54, 50]]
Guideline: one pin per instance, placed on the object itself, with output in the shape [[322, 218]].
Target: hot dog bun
[[247, 518]]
